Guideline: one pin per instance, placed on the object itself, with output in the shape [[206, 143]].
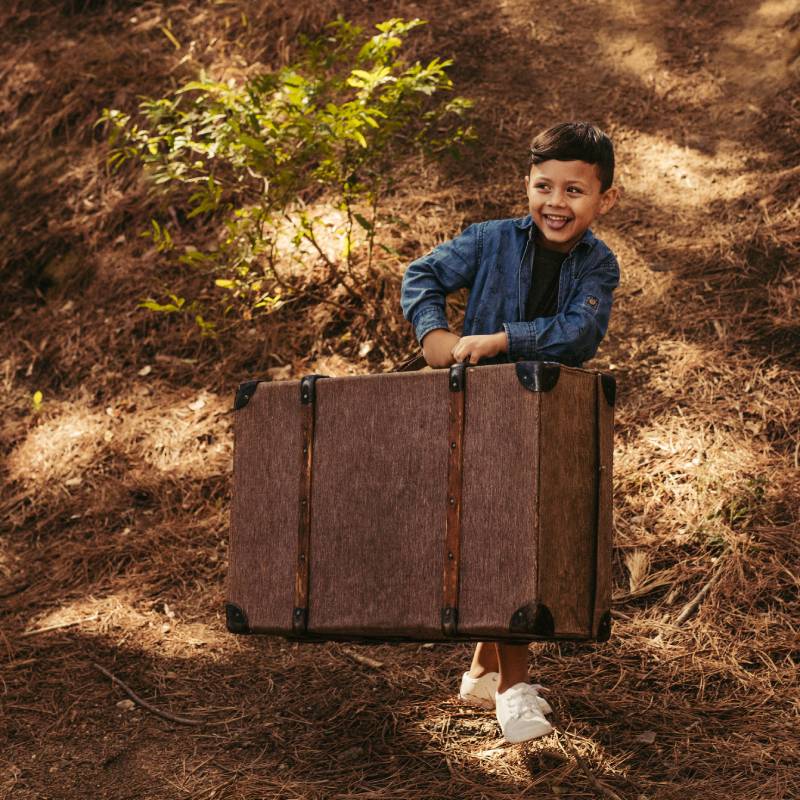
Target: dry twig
[[365, 660], [57, 626], [143, 703], [692, 605], [581, 761]]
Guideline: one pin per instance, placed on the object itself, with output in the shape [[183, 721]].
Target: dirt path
[[116, 496]]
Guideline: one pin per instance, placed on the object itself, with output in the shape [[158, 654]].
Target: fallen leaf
[[646, 737]]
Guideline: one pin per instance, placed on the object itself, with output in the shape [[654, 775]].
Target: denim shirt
[[493, 259]]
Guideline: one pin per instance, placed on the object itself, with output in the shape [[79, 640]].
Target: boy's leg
[[484, 660], [518, 707], [513, 665]]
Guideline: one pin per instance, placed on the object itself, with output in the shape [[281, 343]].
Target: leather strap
[[308, 400], [452, 556]]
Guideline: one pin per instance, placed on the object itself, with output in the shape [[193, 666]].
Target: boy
[[541, 288]]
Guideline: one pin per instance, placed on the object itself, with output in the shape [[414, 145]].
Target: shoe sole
[[477, 702], [481, 702], [543, 730]]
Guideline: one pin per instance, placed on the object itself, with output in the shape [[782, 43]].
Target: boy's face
[[565, 199]]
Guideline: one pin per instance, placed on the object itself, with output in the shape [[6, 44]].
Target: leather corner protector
[[243, 394], [236, 619], [450, 621], [458, 377], [538, 376], [609, 388], [299, 620], [308, 393], [534, 619]]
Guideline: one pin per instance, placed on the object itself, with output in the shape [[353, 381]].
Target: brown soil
[[116, 492]]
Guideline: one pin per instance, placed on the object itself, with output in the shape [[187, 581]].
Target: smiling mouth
[[555, 221]]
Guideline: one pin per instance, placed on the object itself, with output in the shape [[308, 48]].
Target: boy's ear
[[608, 199]]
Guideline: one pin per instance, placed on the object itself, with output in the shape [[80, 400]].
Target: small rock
[[126, 705], [144, 371], [646, 737], [198, 404], [73, 482]]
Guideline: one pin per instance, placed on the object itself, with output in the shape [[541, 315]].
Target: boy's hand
[[437, 347], [472, 348]]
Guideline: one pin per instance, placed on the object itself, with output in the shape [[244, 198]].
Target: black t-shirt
[[543, 295]]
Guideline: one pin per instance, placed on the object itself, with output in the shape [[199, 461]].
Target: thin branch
[[57, 626], [581, 761], [365, 660], [334, 270], [346, 309], [143, 703], [692, 605]]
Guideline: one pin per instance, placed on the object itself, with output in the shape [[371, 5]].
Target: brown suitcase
[[467, 504]]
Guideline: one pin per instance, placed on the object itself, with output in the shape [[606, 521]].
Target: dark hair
[[576, 141]]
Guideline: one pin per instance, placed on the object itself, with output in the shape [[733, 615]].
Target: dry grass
[[116, 493]]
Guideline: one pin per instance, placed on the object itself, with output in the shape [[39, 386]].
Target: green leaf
[[253, 143], [253, 157], [363, 222]]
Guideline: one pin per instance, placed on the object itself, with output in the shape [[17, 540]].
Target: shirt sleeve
[[428, 280], [573, 335]]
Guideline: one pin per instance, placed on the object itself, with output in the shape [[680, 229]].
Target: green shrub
[[260, 155]]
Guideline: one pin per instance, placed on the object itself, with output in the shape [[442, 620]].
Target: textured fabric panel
[[379, 505], [264, 513], [498, 548], [567, 503]]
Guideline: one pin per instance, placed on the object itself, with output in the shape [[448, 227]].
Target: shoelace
[[522, 701]]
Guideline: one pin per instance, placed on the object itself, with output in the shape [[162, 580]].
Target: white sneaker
[[480, 692], [519, 715]]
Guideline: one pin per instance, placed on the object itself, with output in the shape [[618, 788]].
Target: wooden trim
[[308, 400], [455, 461]]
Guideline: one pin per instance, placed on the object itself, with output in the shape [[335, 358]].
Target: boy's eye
[[574, 190], [541, 186]]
